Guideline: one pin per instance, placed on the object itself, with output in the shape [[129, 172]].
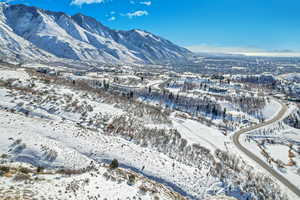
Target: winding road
[[263, 164]]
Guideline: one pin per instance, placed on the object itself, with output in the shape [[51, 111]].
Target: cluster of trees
[[293, 120], [231, 170], [242, 177], [193, 105], [197, 106], [204, 105], [206, 86], [196, 83], [269, 135], [269, 131], [126, 98], [258, 79], [248, 104], [167, 141]]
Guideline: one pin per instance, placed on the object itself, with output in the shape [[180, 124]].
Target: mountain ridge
[[80, 37]]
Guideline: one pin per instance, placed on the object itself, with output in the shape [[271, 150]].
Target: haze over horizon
[[268, 28]]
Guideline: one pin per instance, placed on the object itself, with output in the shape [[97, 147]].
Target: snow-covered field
[[20, 75], [61, 145], [271, 110], [50, 123], [49, 137], [278, 145], [195, 132]]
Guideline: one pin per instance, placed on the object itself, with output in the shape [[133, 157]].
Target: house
[[43, 70], [79, 73], [53, 73]]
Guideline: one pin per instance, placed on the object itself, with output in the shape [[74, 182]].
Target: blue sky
[[215, 25]]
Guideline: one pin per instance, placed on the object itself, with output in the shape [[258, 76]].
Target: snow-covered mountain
[[13, 45], [32, 32]]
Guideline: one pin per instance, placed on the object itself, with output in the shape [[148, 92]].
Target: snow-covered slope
[[80, 37], [14, 46]]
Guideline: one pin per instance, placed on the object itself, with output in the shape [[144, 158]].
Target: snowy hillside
[[73, 126], [32, 32], [14, 46]]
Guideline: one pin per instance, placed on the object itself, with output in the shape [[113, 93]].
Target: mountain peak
[[83, 17], [140, 32], [88, 22]]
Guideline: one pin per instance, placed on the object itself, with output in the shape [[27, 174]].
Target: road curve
[[264, 165]]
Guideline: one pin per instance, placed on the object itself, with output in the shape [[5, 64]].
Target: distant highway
[[263, 164]]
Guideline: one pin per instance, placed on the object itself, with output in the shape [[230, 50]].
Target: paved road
[[264, 165]]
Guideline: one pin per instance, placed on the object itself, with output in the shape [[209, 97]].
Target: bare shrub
[[5, 169], [131, 179], [114, 164], [21, 177], [25, 170]]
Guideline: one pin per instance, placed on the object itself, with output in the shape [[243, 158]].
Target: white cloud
[[138, 13], [81, 2], [132, 2], [113, 18], [147, 3]]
